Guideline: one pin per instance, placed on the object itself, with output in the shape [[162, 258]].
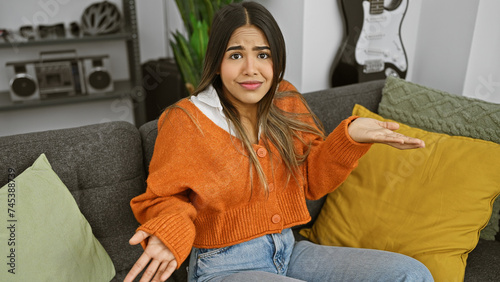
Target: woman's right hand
[[161, 261]]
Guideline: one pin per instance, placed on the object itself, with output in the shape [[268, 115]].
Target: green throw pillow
[[43, 234], [438, 111]]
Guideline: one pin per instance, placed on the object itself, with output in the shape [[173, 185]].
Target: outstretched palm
[[161, 260], [368, 130]]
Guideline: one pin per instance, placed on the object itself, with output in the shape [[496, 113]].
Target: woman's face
[[247, 68]]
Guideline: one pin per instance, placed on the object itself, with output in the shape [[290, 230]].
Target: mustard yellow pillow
[[429, 203]]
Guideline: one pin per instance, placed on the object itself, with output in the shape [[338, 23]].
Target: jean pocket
[[207, 253], [212, 262]]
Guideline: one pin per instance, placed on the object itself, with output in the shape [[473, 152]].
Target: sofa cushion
[[483, 262], [47, 234], [438, 111], [101, 165], [429, 203]]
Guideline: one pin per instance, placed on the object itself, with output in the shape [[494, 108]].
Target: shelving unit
[[132, 88], [122, 88], [67, 40]]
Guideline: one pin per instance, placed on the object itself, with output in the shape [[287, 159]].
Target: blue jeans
[[277, 257]]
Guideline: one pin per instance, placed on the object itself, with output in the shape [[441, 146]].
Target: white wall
[[323, 33], [482, 79], [457, 48], [152, 29], [445, 33], [290, 18], [157, 19], [409, 33]]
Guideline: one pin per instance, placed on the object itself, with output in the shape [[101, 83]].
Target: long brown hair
[[278, 127]]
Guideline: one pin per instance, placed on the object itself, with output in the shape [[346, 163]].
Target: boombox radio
[[59, 77]]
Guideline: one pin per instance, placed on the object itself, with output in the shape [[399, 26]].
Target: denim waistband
[[270, 253]]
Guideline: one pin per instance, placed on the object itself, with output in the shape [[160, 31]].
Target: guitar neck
[[376, 7]]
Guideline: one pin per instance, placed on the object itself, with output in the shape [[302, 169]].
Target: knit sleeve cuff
[[176, 232], [340, 144]]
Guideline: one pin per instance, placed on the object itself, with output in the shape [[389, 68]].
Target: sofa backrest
[[335, 104], [102, 167]]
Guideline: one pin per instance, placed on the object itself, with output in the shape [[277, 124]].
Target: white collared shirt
[[208, 103]]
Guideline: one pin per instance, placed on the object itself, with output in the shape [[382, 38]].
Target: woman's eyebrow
[[256, 48]]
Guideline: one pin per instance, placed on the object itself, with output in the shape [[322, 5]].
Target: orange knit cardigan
[[199, 191]]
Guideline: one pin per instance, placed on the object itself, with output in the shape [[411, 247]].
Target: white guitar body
[[379, 47]]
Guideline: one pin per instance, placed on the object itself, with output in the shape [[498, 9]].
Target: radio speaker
[[23, 82], [97, 76]]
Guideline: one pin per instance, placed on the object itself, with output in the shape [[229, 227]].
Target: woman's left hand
[[368, 130]]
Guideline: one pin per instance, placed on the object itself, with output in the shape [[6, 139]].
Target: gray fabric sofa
[[105, 165]]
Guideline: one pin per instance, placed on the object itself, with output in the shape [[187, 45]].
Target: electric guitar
[[372, 48]]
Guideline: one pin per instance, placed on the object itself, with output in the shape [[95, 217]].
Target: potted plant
[[189, 51]]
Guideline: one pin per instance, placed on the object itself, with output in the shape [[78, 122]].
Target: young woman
[[234, 163]]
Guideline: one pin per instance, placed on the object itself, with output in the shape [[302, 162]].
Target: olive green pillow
[[438, 111], [43, 234]]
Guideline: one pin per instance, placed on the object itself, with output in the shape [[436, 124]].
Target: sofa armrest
[[101, 165], [148, 131]]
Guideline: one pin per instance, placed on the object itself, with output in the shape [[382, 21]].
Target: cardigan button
[[276, 218], [261, 152], [271, 187]]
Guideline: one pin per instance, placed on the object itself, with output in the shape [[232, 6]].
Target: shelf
[[67, 40], [131, 88], [122, 90]]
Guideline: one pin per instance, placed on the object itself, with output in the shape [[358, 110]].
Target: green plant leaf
[[199, 40], [183, 8], [179, 60], [183, 65], [189, 55], [209, 11], [184, 47], [192, 10]]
